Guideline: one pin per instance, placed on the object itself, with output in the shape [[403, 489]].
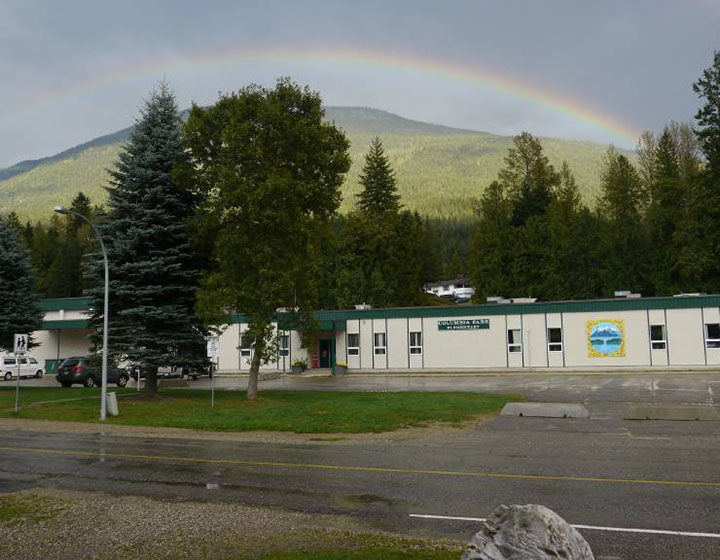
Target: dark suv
[[79, 370]]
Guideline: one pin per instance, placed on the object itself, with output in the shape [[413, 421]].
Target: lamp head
[[60, 210]]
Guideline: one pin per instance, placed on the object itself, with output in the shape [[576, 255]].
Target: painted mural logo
[[606, 338]]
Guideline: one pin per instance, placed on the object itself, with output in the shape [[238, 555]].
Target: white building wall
[[366, 344], [637, 339], [59, 344], [686, 337], [481, 348], [339, 346], [535, 340], [398, 353], [228, 343]]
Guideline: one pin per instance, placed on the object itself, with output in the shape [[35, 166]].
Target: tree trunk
[[151, 380], [252, 390]]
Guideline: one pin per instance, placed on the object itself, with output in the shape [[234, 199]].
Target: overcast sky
[[597, 70]]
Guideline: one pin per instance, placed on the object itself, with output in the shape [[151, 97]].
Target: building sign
[[464, 324], [605, 338]]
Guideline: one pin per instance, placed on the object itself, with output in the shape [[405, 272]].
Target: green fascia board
[[69, 304], [579, 306], [63, 325]]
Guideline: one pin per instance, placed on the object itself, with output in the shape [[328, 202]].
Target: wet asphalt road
[[603, 472]]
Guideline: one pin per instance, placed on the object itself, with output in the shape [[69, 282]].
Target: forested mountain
[[441, 171]]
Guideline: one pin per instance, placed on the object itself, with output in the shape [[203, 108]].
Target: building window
[[380, 344], [712, 335], [284, 346], [554, 339], [353, 344], [658, 340], [416, 342], [514, 340], [245, 347]]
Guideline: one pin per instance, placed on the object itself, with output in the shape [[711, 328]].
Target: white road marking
[[587, 527]]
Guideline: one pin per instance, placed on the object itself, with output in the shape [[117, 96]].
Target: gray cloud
[[632, 60]]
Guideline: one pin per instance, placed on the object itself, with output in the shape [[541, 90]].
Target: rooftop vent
[[627, 294]]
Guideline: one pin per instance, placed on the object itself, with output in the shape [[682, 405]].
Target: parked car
[[29, 367], [78, 370]]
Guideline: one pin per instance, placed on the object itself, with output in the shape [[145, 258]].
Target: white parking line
[[587, 527]]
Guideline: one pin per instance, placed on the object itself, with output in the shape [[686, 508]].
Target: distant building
[[458, 290]]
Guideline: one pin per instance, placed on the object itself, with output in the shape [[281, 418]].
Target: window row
[[658, 338], [380, 343]]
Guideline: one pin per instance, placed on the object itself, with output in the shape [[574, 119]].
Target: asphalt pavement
[[649, 489]]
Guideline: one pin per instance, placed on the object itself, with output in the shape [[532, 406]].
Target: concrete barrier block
[[545, 410]]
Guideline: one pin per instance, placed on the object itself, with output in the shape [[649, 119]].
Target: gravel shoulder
[[80, 525]]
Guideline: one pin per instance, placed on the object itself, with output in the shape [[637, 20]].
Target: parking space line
[[585, 527], [388, 470]]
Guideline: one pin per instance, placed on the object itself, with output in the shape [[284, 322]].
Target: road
[[601, 471]]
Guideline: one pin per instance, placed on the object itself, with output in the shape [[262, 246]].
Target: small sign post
[[213, 352], [20, 347]]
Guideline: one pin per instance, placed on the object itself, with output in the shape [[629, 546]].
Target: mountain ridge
[[441, 170]]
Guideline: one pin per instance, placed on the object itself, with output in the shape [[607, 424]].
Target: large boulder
[[528, 532]]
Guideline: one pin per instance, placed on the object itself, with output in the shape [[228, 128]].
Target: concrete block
[[172, 383], [545, 410], [701, 412]]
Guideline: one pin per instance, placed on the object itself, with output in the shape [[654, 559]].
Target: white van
[[29, 367]]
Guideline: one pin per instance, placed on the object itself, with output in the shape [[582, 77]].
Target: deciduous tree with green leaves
[[270, 170]]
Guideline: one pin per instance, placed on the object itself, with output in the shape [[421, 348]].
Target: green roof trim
[[63, 325], [69, 304], [338, 318]]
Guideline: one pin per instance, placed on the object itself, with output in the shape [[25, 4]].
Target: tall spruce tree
[[20, 312], [153, 271], [699, 233], [623, 250], [379, 191], [386, 252], [528, 178]]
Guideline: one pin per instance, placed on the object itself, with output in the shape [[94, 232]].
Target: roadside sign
[[21, 344], [213, 347]]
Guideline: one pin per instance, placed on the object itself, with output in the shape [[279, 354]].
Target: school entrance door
[[324, 352]]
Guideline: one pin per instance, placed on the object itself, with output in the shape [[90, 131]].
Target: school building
[[619, 333]]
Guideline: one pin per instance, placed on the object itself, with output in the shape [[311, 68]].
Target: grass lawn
[[284, 411], [30, 395], [338, 545], [18, 508]]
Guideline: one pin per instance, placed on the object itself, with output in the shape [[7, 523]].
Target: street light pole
[[103, 385]]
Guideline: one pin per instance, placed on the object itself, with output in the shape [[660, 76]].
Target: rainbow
[[434, 67]]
